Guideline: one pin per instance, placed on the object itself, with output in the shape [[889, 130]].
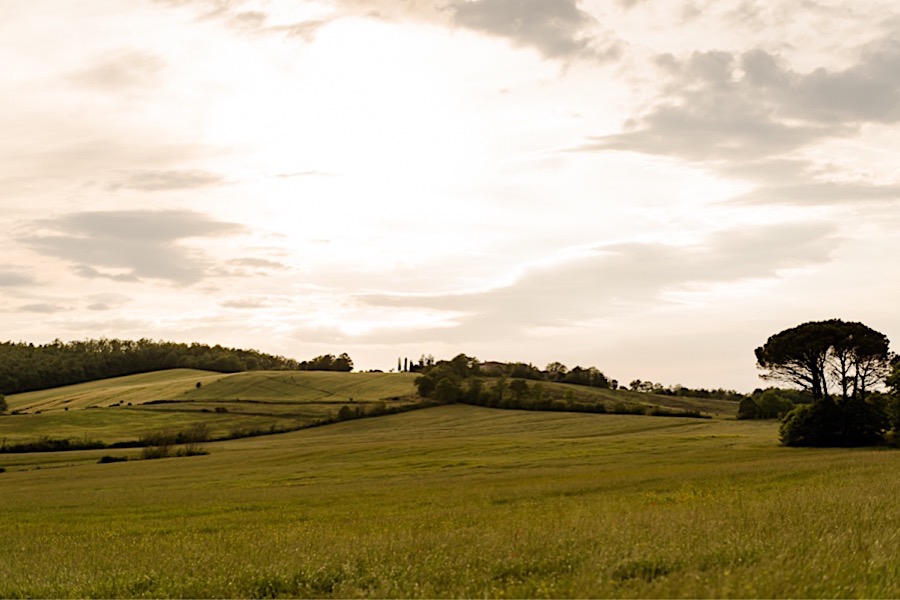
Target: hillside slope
[[227, 405], [304, 386], [136, 389], [182, 385], [127, 408]]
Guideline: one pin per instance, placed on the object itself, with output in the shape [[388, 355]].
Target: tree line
[[499, 385], [463, 366], [557, 372], [27, 367], [681, 391]]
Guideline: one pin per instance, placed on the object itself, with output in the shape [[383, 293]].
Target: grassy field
[[461, 501], [126, 408], [309, 386], [182, 385], [295, 387], [136, 389]]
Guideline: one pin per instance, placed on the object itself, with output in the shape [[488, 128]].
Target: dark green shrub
[[773, 405], [862, 424], [893, 412], [543, 403], [662, 411], [474, 393], [808, 425], [157, 438], [48, 444], [111, 459], [424, 385], [827, 424], [191, 450], [748, 409], [519, 389], [196, 433], [890, 406], [620, 408], [448, 389], [152, 452]]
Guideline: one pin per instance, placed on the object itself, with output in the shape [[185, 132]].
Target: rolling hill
[[137, 389], [126, 408], [231, 405]]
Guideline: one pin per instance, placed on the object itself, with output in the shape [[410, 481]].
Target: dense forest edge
[[28, 367]]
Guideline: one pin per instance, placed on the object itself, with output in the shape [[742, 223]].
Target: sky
[[650, 188]]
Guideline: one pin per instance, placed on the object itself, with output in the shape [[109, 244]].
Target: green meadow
[[136, 389], [447, 501], [127, 408]]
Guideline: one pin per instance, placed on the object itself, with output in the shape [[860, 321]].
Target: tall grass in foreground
[[460, 501]]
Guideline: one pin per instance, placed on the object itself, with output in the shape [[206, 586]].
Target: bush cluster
[[162, 444], [105, 459], [151, 452], [772, 403], [827, 423], [346, 413], [48, 444]]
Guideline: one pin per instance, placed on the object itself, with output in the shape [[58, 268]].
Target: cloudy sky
[[652, 188]]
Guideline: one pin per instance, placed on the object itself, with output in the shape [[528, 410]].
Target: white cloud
[[14, 277], [558, 29], [608, 280], [43, 308], [134, 244], [107, 302], [751, 113], [121, 70], [158, 181]]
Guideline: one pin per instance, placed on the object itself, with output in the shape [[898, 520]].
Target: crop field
[[126, 408], [306, 386], [461, 501], [188, 385], [136, 389]]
